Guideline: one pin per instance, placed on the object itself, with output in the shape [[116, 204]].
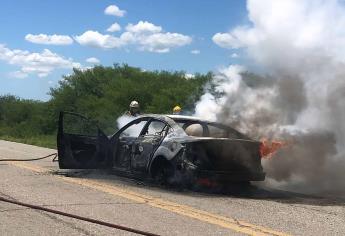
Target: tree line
[[103, 94]]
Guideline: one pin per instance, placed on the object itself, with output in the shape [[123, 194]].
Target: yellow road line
[[225, 222]]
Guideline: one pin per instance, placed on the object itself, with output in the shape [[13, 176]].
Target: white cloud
[[114, 27], [49, 39], [226, 40], [146, 36], [151, 38], [195, 51], [234, 55], [143, 27], [41, 64], [114, 10], [18, 74], [93, 60], [189, 76], [162, 42], [86, 68], [238, 38], [96, 39]]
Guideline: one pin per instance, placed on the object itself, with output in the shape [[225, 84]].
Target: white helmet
[[134, 104]]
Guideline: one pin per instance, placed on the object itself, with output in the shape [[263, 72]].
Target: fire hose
[[37, 207], [99, 222], [33, 159]]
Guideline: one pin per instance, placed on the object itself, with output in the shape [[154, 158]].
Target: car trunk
[[225, 154]]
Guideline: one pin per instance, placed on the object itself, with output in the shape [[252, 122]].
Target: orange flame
[[269, 148]]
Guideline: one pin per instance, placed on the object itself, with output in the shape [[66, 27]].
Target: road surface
[[104, 196]]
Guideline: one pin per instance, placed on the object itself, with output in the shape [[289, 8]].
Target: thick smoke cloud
[[300, 46]]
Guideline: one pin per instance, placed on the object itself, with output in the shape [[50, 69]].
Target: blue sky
[[154, 35]]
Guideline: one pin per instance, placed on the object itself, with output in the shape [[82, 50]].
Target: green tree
[[101, 93]]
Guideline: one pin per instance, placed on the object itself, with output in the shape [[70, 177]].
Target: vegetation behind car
[[101, 93]]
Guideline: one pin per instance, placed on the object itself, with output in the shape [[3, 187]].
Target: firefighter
[[134, 109], [177, 110]]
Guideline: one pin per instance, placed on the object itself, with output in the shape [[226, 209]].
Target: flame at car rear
[[269, 148]]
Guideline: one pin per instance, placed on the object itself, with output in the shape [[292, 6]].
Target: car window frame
[[135, 121], [222, 127], [192, 122], [62, 119], [149, 122], [205, 124], [228, 130]]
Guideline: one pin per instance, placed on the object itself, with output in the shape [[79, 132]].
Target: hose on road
[[99, 222], [54, 155]]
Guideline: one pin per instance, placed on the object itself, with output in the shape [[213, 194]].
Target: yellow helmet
[[177, 109]]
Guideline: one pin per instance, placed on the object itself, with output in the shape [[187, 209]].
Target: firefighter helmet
[[134, 104], [177, 109]]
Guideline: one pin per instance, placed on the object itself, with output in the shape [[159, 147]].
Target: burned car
[[167, 148]]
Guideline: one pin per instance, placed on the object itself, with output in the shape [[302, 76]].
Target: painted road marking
[[222, 221]]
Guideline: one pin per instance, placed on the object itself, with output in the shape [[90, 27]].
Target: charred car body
[[168, 148]]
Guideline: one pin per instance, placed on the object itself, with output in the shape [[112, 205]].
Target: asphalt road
[[104, 196]]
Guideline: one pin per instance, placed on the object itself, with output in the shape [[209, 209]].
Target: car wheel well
[[159, 163]]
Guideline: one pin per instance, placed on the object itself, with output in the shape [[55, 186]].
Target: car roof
[[173, 119], [177, 117], [183, 117]]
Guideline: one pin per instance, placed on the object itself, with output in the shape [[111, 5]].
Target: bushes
[[21, 118]]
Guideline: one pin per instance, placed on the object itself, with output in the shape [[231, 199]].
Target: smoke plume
[[299, 48]]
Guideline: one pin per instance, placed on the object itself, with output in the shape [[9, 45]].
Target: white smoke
[[132, 131], [209, 105], [124, 120], [300, 45]]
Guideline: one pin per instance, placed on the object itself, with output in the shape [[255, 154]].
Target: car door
[[147, 142], [81, 144], [124, 142]]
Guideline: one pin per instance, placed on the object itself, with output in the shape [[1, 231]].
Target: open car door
[[81, 144]]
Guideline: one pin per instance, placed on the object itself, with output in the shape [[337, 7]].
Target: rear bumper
[[230, 176]]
